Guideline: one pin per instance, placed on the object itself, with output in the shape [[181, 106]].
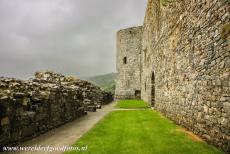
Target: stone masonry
[[185, 65], [128, 63], [29, 108]]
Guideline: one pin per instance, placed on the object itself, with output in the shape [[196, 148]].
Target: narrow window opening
[[125, 60], [153, 89], [145, 51], [128, 84]]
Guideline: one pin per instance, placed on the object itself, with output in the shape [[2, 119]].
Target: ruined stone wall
[[128, 63], [29, 108], [186, 47]]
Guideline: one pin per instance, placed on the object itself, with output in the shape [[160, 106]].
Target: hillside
[[105, 81]]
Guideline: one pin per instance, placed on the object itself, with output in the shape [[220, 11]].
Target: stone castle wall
[[190, 57], [128, 63], [185, 65], [29, 108]]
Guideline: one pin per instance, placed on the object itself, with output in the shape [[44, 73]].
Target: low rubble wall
[[29, 108]]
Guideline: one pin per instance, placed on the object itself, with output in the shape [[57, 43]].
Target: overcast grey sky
[[74, 37]]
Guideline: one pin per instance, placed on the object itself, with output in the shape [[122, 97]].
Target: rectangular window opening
[[125, 60]]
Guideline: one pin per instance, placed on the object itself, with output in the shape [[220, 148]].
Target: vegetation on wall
[[225, 30], [164, 2]]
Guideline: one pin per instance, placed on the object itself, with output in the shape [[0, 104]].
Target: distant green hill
[[106, 81]]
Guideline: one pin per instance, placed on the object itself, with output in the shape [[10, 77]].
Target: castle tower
[[128, 63]]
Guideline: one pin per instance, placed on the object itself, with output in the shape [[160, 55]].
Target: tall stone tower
[[129, 43]]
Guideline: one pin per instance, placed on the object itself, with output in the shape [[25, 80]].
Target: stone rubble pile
[[29, 108]]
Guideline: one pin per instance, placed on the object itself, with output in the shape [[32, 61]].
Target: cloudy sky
[[74, 37]]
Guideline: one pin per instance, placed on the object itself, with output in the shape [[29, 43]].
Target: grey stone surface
[[184, 65], [29, 108], [128, 63]]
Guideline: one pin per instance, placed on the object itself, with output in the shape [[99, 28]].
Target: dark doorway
[[137, 94], [153, 90]]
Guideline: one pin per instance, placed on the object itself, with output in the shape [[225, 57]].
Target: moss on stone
[[164, 2], [225, 30]]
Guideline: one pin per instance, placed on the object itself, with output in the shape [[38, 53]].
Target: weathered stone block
[[91, 108], [5, 121]]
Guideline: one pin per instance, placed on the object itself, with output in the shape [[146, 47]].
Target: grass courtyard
[[140, 132], [132, 104]]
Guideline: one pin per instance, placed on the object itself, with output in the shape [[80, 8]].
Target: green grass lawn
[[139, 132], [132, 104]]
